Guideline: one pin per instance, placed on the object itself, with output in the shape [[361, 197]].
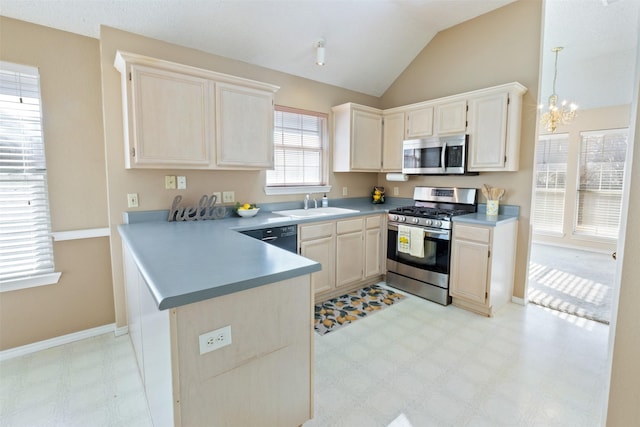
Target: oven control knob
[[427, 222], [394, 218], [415, 220], [401, 219], [437, 223]]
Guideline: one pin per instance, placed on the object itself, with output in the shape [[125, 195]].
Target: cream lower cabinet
[[374, 254], [351, 252], [482, 266], [317, 242]]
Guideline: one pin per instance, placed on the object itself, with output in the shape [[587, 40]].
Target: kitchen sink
[[313, 212]]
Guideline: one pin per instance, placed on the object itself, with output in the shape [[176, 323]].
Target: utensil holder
[[492, 208]]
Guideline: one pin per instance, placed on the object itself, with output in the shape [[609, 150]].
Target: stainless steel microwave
[[444, 155]]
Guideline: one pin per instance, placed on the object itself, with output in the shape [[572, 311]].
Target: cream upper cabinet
[[182, 117], [357, 138], [168, 119], [494, 128], [419, 122], [482, 266], [451, 117], [392, 137], [244, 127]]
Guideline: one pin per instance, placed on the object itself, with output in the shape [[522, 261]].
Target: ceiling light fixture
[[557, 114], [320, 52]]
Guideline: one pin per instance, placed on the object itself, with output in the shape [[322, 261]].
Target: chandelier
[[557, 114]]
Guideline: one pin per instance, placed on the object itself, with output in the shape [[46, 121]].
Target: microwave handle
[[443, 157]]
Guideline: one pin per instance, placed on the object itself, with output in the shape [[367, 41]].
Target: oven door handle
[[428, 232]]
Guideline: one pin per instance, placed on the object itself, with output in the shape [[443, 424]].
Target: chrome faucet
[[306, 202]]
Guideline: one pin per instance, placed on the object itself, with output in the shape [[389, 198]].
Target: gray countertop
[[506, 213], [191, 261]]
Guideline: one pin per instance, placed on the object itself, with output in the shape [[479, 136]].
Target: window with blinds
[[299, 148], [550, 183], [26, 251], [601, 175]]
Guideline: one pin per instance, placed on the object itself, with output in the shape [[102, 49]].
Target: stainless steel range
[[419, 237]]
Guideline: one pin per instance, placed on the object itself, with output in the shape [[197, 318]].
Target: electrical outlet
[[132, 200], [345, 191], [396, 191], [228, 196], [170, 182], [182, 183], [214, 340], [218, 197]]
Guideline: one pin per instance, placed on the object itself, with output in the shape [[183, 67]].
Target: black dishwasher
[[283, 237]]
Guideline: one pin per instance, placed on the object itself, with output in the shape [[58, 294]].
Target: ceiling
[[368, 42]]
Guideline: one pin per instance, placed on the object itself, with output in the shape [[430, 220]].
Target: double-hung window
[[300, 159], [550, 183], [26, 248], [601, 175]]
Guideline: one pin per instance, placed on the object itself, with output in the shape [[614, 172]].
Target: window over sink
[[300, 152]]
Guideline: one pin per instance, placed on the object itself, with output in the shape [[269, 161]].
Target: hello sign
[[205, 209]]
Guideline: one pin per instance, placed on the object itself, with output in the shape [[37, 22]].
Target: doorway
[[573, 281]]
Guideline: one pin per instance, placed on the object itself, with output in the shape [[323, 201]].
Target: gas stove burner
[[428, 212]]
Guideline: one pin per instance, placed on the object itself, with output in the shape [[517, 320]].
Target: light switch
[[170, 182], [228, 196], [182, 183]]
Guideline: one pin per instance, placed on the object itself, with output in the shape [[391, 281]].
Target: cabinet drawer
[[373, 221], [468, 232], [349, 226], [315, 231]]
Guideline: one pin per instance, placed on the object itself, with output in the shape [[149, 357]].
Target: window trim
[[306, 189]]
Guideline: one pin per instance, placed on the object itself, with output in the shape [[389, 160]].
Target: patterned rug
[[337, 312]]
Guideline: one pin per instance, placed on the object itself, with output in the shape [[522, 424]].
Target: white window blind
[[25, 229], [550, 182], [601, 174], [299, 148]]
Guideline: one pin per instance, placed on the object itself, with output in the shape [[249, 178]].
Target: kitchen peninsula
[[188, 278], [184, 279]]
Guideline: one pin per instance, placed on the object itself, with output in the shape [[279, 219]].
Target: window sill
[[303, 189], [29, 282]]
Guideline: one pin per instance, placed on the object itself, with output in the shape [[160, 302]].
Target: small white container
[[325, 201]]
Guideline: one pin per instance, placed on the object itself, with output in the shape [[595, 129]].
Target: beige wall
[[495, 48], [72, 109], [586, 120], [248, 186]]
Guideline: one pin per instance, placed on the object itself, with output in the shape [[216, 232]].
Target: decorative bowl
[[246, 213]]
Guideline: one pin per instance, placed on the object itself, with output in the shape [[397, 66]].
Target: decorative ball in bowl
[[247, 210]]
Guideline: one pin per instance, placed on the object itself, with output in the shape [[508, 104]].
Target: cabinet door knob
[[614, 255]]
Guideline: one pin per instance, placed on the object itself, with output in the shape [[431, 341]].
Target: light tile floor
[[413, 364]]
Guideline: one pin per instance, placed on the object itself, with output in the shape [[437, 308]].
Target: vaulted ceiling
[[368, 42]]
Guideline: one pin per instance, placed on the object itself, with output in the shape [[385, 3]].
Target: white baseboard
[[54, 342], [519, 301], [124, 330]]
